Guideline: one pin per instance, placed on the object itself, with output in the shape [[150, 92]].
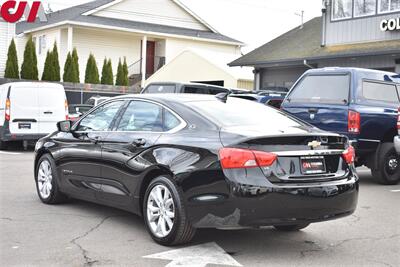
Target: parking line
[[9, 153], [395, 191]]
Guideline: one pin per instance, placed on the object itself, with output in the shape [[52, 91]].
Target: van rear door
[[51, 108], [23, 109], [321, 100]]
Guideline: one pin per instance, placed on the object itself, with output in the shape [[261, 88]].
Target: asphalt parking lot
[[84, 234]]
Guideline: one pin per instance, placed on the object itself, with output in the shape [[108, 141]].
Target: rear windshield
[[329, 89], [159, 89], [239, 112]]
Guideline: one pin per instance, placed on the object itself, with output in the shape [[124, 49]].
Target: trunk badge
[[312, 116], [314, 144]]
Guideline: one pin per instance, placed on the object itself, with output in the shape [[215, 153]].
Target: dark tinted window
[[380, 92], [330, 89], [240, 112], [196, 90], [216, 91], [160, 89], [101, 118]]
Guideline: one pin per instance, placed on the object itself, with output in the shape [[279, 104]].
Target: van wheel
[[388, 172], [3, 145], [164, 213]]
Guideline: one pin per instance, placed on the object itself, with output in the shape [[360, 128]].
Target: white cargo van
[[30, 110]]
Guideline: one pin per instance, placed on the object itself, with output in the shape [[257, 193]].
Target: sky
[[254, 22]]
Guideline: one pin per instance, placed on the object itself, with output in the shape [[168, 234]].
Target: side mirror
[[64, 126]]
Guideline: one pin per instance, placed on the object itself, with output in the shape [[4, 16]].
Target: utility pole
[[301, 15]]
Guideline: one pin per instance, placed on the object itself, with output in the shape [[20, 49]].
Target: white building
[[149, 33], [7, 32]]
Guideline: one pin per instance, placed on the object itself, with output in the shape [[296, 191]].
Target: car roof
[[187, 84], [349, 69], [181, 98]]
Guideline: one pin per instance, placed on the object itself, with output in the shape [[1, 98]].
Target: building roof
[[76, 15], [298, 45]]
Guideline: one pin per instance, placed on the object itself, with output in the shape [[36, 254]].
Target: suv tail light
[[349, 155], [66, 110], [354, 122], [8, 110], [398, 119], [236, 158]]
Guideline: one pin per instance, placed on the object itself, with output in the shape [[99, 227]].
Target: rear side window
[[196, 90], [328, 89], [160, 89], [380, 92]]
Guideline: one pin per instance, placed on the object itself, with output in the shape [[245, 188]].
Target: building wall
[[280, 76], [378, 62], [109, 44], [7, 32], [189, 67], [358, 30], [164, 12]]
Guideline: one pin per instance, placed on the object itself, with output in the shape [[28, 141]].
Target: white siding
[[7, 32], [176, 46], [164, 12], [110, 44]]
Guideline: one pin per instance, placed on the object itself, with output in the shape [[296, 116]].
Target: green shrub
[[92, 72], [75, 63], [12, 69], [29, 68], [106, 73]]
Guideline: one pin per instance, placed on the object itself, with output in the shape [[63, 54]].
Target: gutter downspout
[[324, 8]]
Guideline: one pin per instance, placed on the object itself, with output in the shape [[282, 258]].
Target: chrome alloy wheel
[[160, 211], [44, 179]]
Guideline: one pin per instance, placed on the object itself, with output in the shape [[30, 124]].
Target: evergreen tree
[[55, 64], [29, 68], [67, 77], [12, 69], [126, 73], [110, 70], [92, 72], [120, 74], [75, 62], [48, 70], [106, 73]]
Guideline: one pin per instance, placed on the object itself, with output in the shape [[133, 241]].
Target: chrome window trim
[[178, 128]]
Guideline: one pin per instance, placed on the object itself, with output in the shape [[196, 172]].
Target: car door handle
[[139, 142], [48, 112], [313, 110]]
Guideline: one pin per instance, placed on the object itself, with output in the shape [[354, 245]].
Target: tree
[[126, 73], [70, 73], [55, 64], [120, 74], [48, 70], [12, 69], [92, 72], [106, 73], [75, 62], [29, 68]]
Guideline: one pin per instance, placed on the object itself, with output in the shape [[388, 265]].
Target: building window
[[342, 9], [386, 6], [364, 7], [42, 44]]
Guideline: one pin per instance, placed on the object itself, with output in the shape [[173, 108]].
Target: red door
[[151, 47]]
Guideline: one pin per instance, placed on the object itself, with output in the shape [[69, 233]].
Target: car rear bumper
[[396, 142], [255, 206]]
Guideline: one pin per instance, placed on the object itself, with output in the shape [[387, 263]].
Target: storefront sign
[[13, 11], [390, 24]]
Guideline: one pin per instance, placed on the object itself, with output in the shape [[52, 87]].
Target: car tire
[[3, 145], [388, 172], [181, 231], [46, 180], [291, 227]]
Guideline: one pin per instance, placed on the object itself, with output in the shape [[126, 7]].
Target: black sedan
[[188, 161]]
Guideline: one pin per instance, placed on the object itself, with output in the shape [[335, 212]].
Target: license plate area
[[24, 125], [312, 165]]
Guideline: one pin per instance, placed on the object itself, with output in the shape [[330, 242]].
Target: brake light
[[8, 110], [66, 110], [398, 119], [354, 122], [236, 158], [349, 155]]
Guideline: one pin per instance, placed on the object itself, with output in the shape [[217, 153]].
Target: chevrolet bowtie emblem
[[314, 144]]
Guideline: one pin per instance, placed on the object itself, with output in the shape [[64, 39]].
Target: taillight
[[66, 110], [349, 155], [398, 119], [8, 110], [236, 158], [354, 122]]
